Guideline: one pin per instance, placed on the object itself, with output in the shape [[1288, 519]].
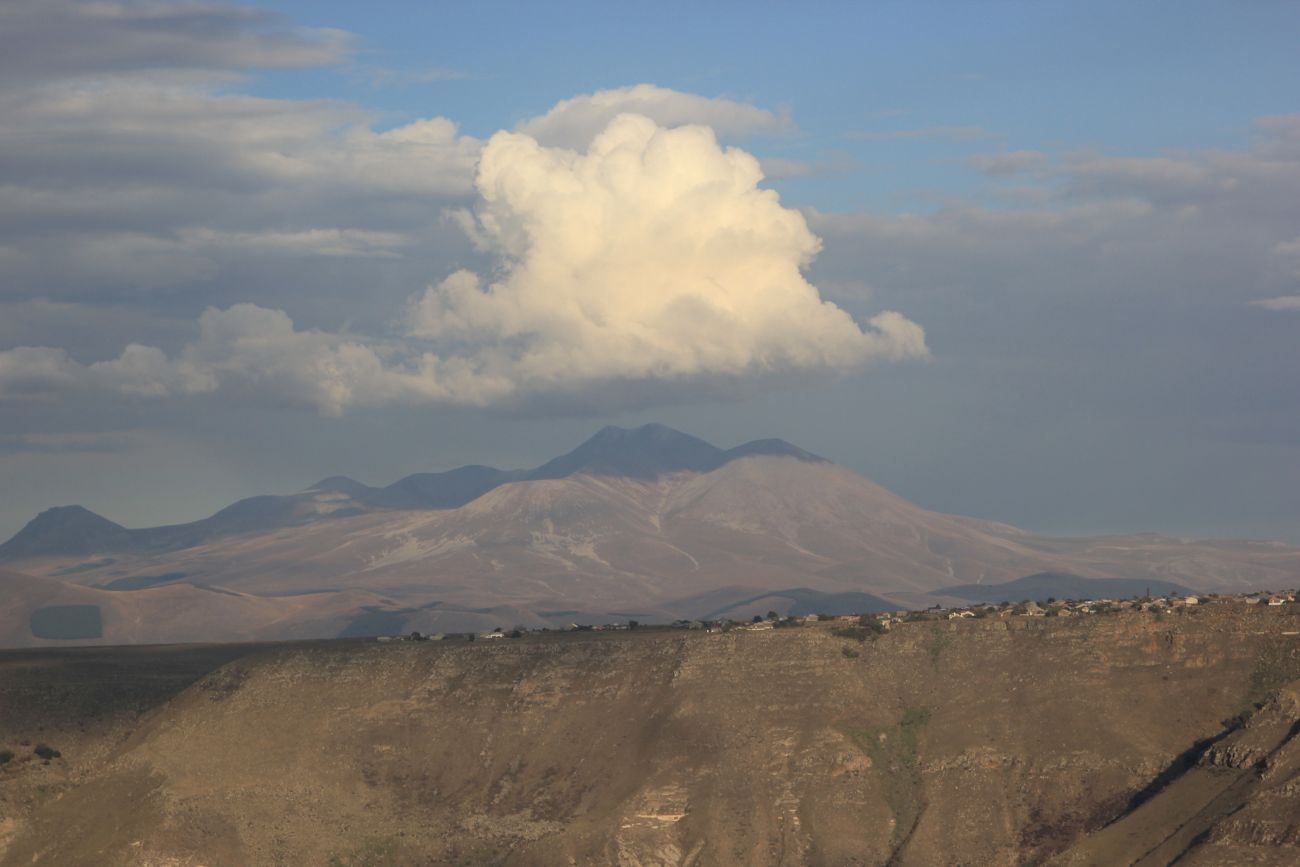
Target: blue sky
[[220, 225], [1136, 78]]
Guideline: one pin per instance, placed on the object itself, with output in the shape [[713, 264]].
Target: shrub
[[6, 756], [850, 652], [857, 633], [46, 752]]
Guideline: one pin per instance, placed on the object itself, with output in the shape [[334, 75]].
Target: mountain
[[646, 453], [65, 530], [449, 490], [36, 610], [648, 524]]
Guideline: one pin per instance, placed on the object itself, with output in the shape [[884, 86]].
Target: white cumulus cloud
[[653, 256]]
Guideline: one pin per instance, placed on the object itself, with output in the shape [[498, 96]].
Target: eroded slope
[[985, 742]]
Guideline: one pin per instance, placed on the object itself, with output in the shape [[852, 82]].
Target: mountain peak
[[644, 452], [71, 516], [63, 530], [773, 448], [341, 485]]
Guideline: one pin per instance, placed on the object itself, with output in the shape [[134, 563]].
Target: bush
[[871, 624], [46, 752], [850, 652], [6, 756]]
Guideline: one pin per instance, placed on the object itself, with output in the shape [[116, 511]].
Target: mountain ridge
[[645, 452], [648, 521]]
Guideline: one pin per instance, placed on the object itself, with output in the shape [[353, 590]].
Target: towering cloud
[[652, 256]]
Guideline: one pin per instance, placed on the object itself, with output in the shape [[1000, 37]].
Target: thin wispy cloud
[[381, 76], [1282, 302], [574, 122], [1007, 163]]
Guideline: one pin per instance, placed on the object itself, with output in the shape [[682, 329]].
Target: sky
[[1034, 262]]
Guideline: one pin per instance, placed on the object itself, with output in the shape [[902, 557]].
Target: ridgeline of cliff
[[1129, 738]]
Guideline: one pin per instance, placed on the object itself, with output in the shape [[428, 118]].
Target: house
[[491, 635], [759, 626], [1276, 601], [1191, 600]]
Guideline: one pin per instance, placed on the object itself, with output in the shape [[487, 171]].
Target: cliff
[[972, 742]]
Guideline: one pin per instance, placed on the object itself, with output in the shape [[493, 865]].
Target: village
[[859, 625]]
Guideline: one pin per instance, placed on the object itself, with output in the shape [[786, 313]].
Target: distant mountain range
[[1063, 585], [648, 524], [645, 453]]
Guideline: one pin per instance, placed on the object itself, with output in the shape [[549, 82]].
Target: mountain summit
[[653, 450], [70, 530], [643, 453]]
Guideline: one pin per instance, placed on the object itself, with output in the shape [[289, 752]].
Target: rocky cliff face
[[972, 742]]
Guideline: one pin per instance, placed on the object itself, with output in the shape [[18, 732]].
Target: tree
[[632, 624], [757, 618], [772, 615]]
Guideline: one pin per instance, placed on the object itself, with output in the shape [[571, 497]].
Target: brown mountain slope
[[1237, 803], [173, 613], [972, 742], [602, 544]]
